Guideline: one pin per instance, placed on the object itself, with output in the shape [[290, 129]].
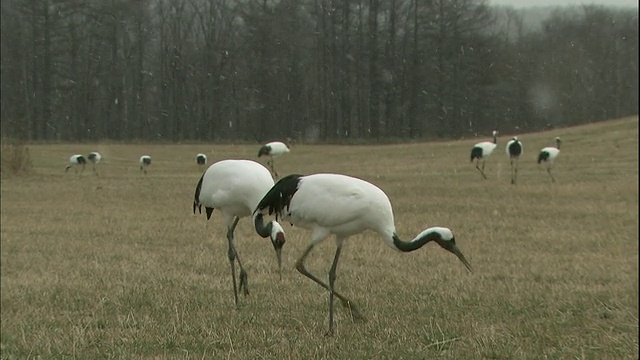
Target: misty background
[[309, 70]]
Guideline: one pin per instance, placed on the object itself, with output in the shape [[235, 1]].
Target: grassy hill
[[117, 265]]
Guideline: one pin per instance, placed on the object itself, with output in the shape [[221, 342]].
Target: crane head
[[278, 240], [274, 231], [444, 237], [558, 141]]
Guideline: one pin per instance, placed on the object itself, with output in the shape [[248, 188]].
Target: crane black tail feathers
[[543, 156], [264, 150], [196, 200], [515, 149], [476, 152], [279, 196]]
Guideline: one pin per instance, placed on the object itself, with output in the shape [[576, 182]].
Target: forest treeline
[[307, 70]]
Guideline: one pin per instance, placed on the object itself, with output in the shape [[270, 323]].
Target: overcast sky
[[529, 3]]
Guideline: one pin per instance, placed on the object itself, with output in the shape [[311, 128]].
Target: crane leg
[[244, 283], [514, 171], [273, 170], [481, 170], [355, 313], [549, 171], [332, 280], [233, 256]]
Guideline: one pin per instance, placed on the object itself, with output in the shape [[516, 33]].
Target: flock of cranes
[[272, 150], [483, 150], [326, 204], [80, 161]]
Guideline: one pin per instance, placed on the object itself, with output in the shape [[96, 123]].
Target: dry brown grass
[[117, 266], [15, 158]]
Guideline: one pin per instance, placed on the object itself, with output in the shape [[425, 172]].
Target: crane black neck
[[415, 244], [261, 229]]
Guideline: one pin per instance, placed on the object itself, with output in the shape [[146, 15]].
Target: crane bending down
[[201, 160], [273, 150], [514, 150], [548, 155], [75, 161], [340, 205], [95, 159], [482, 150], [145, 162], [235, 187]]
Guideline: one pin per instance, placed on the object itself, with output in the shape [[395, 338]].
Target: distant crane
[[235, 187], [514, 150], [145, 162], [201, 160], [273, 150], [75, 161], [548, 156], [482, 150], [95, 159], [340, 205]]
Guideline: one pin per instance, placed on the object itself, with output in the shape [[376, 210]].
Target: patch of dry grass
[[117, 266], [15, 158]]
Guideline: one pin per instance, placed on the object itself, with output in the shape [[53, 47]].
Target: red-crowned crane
[[75, 161], [145, 162], [514, 150], [548, 156], [273, 150], [95, 158], [482, 150], [201, 160], [235, 187], [340, 205]]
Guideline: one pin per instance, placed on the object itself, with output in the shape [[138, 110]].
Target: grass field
[[118, 266]]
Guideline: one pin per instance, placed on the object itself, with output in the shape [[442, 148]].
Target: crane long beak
[[460, 256], [278, 243], [279, 257]]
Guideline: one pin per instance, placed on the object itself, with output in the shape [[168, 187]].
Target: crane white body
[[514, 150], [235, 187], [273, 150], [145, 162], [548, 156], [340, 205], [95, 158], [76, 161], [481, 152]]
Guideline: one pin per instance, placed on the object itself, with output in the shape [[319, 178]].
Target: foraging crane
[[548, 155], [340, 205], [95, 159], [201, 160], [75, 161], [235, 187], [145, 162], [273, 150], [514, 150], [482, 150]]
